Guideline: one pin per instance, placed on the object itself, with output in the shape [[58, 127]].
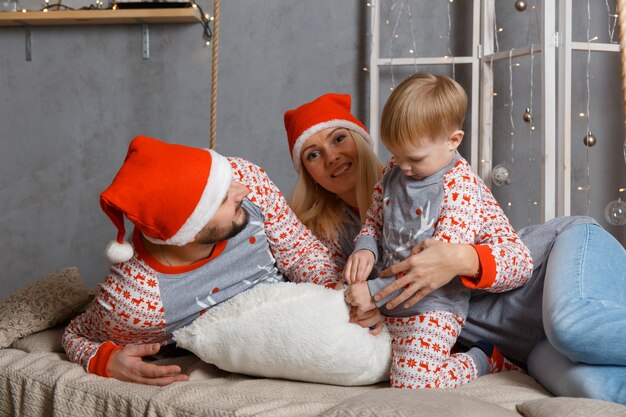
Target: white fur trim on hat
[[212, 197], [297, 147], [119, 252]]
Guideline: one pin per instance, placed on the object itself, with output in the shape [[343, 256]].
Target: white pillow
[[291, 331]]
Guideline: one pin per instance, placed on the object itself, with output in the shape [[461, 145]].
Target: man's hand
[[126, 364]]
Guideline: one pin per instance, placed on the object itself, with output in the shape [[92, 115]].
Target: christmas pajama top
[[452, 205], [142, 301]]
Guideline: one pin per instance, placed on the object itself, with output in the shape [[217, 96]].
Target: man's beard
[[213, 235]]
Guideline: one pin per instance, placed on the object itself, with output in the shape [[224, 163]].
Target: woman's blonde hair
[[422, 106], [323, 211]]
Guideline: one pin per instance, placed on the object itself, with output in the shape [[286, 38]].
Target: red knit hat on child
[[329, 110], [168, 191]]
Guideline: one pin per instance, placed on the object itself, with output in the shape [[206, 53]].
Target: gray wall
[[66, 117]]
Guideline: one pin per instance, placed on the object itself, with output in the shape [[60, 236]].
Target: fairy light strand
[[414, 44], [450, 39], [205, 18], [511, 121], [495, 33], [534, 14], [532, 200], [611, 26], [394, 35], [588, 188], [531, 128]]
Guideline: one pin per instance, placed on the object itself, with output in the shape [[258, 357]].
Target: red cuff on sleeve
[[99, 363], [487, 276]]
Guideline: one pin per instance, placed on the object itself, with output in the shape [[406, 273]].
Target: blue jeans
[[584, 315]]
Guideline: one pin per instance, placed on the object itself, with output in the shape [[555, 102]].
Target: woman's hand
[[127, 364], [431, 265]]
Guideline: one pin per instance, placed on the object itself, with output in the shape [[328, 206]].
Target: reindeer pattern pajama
[[452, 205], [143, 301]]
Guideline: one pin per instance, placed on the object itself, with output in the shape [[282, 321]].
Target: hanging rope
[[621, 21], [216, 42]]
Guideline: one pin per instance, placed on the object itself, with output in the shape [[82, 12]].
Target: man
[[206, 228]]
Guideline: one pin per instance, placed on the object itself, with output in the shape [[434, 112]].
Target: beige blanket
[[37, 380]]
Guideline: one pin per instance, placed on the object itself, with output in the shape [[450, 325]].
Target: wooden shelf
[[100, 17]]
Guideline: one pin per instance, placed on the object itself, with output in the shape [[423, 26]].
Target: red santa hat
[[329, 110], [168, 191]]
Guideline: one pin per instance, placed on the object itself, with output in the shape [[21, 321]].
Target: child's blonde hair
[[321, 210], [422, 106]]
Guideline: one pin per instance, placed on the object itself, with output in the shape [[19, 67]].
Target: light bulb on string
[[527, 116], [615, 212], [590, 140], [501, 175]]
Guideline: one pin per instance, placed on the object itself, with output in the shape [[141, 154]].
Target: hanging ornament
[[527, 116], [520, 5], [615, 212], [590, 140], [501, 175]]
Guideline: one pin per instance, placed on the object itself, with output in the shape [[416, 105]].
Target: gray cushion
[[43, 341], [43, 304], [570, 407]]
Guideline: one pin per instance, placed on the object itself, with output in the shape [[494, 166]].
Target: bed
[[36, 379]]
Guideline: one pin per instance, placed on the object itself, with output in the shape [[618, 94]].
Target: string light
[[588, 82], [397, 16], [399, 11], [410, 14], [449, 37], [394, 35], [501, 173], [495, 33], [531, 160], [205, 18], [611, 27]]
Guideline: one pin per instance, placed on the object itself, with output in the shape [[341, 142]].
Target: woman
[[584, 299], [333, 200]]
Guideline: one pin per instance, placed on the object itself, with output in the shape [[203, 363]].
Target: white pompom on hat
[[329, 110], [168, 191]]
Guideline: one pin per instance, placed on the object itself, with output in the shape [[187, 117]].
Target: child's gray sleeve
[[366, 242], [378, 284]]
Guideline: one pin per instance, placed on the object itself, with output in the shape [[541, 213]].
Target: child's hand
[[358, 296], [370, 319], [358, 266]]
